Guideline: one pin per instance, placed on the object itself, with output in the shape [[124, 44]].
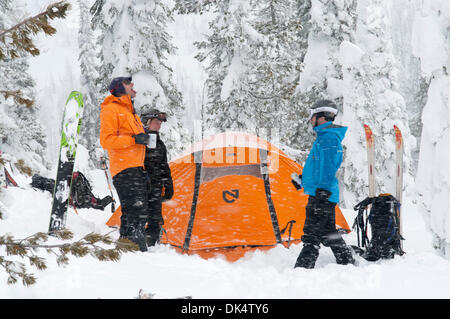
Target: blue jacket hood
[[330, 127]]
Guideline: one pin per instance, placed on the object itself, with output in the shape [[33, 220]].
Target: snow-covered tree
[[371, 96], [21, 133], [326, 24], [252, 61], [195, 6], [134, 42], [222, 54], [413, 84], [431, 44], [275, 64], [89, 65], [300, 135]]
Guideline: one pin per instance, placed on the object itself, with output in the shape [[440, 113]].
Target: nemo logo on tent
[[230, 197]]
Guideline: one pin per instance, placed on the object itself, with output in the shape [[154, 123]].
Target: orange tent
[[233, 193]]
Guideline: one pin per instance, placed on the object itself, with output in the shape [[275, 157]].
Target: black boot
[[153, 230], [136, 233], [308, 256], [152, 235], [123, 230], [343, 254]]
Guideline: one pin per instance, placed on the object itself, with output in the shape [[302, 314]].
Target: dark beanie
[[116, 86]]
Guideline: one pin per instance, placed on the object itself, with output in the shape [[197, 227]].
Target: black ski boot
[[308, 256], [153, 230], [152, 235], [136, 233], [343, 254]]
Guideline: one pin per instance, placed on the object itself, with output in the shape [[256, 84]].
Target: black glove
[[141, 138], [322, 194], [168, 191], [297, 181]]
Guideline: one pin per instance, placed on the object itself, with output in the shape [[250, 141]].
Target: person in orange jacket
[[122, 135]]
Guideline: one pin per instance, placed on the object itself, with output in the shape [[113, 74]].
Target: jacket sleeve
[[330, 158], [110, 137], [165, 168]]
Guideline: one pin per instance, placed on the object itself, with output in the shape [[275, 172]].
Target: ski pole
[[105, 167]]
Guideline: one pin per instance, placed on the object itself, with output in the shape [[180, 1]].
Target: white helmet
[[327, 107]]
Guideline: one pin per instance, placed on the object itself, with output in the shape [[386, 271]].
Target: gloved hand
[[168, 191], [141, 138], [297, 181], [322, 194]]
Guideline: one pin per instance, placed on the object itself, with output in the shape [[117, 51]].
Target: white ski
[[399, 174], [370, 160]]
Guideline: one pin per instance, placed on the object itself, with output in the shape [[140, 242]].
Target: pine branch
[[17, 96], [194, 6], [16, 39], [26, 249]]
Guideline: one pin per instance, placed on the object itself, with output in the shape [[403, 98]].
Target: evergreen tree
[[134, 42], [195, 6], [275, 64], [89, 65], [302, 9], [252, 61], [219, 51], [371, 97], [21, 133], [412, 82], [326, 24], [15, 40], [20, 129], [431, 34]]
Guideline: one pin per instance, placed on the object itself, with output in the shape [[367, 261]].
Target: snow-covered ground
[[161, 271], [421, 273]]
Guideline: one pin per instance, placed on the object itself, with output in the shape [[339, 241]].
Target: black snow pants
[[154, 219], [131, 187], [320, 228]]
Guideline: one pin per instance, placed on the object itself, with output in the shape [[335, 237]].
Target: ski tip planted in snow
[[398, 133], [369, 136]]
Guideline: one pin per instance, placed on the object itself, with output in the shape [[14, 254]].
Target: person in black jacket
[[160, 185]]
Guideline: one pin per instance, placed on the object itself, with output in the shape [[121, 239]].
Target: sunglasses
[[126, 82], [160, 116], [313, 112]]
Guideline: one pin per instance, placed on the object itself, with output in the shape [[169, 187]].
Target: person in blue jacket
[[320, 183]]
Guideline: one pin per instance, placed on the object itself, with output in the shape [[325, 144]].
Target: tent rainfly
[[233, 193]]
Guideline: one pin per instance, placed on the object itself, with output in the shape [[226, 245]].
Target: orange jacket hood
[[124, 101]]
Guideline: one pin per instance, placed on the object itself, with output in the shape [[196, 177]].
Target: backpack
[[81, 195], [384, 223]]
